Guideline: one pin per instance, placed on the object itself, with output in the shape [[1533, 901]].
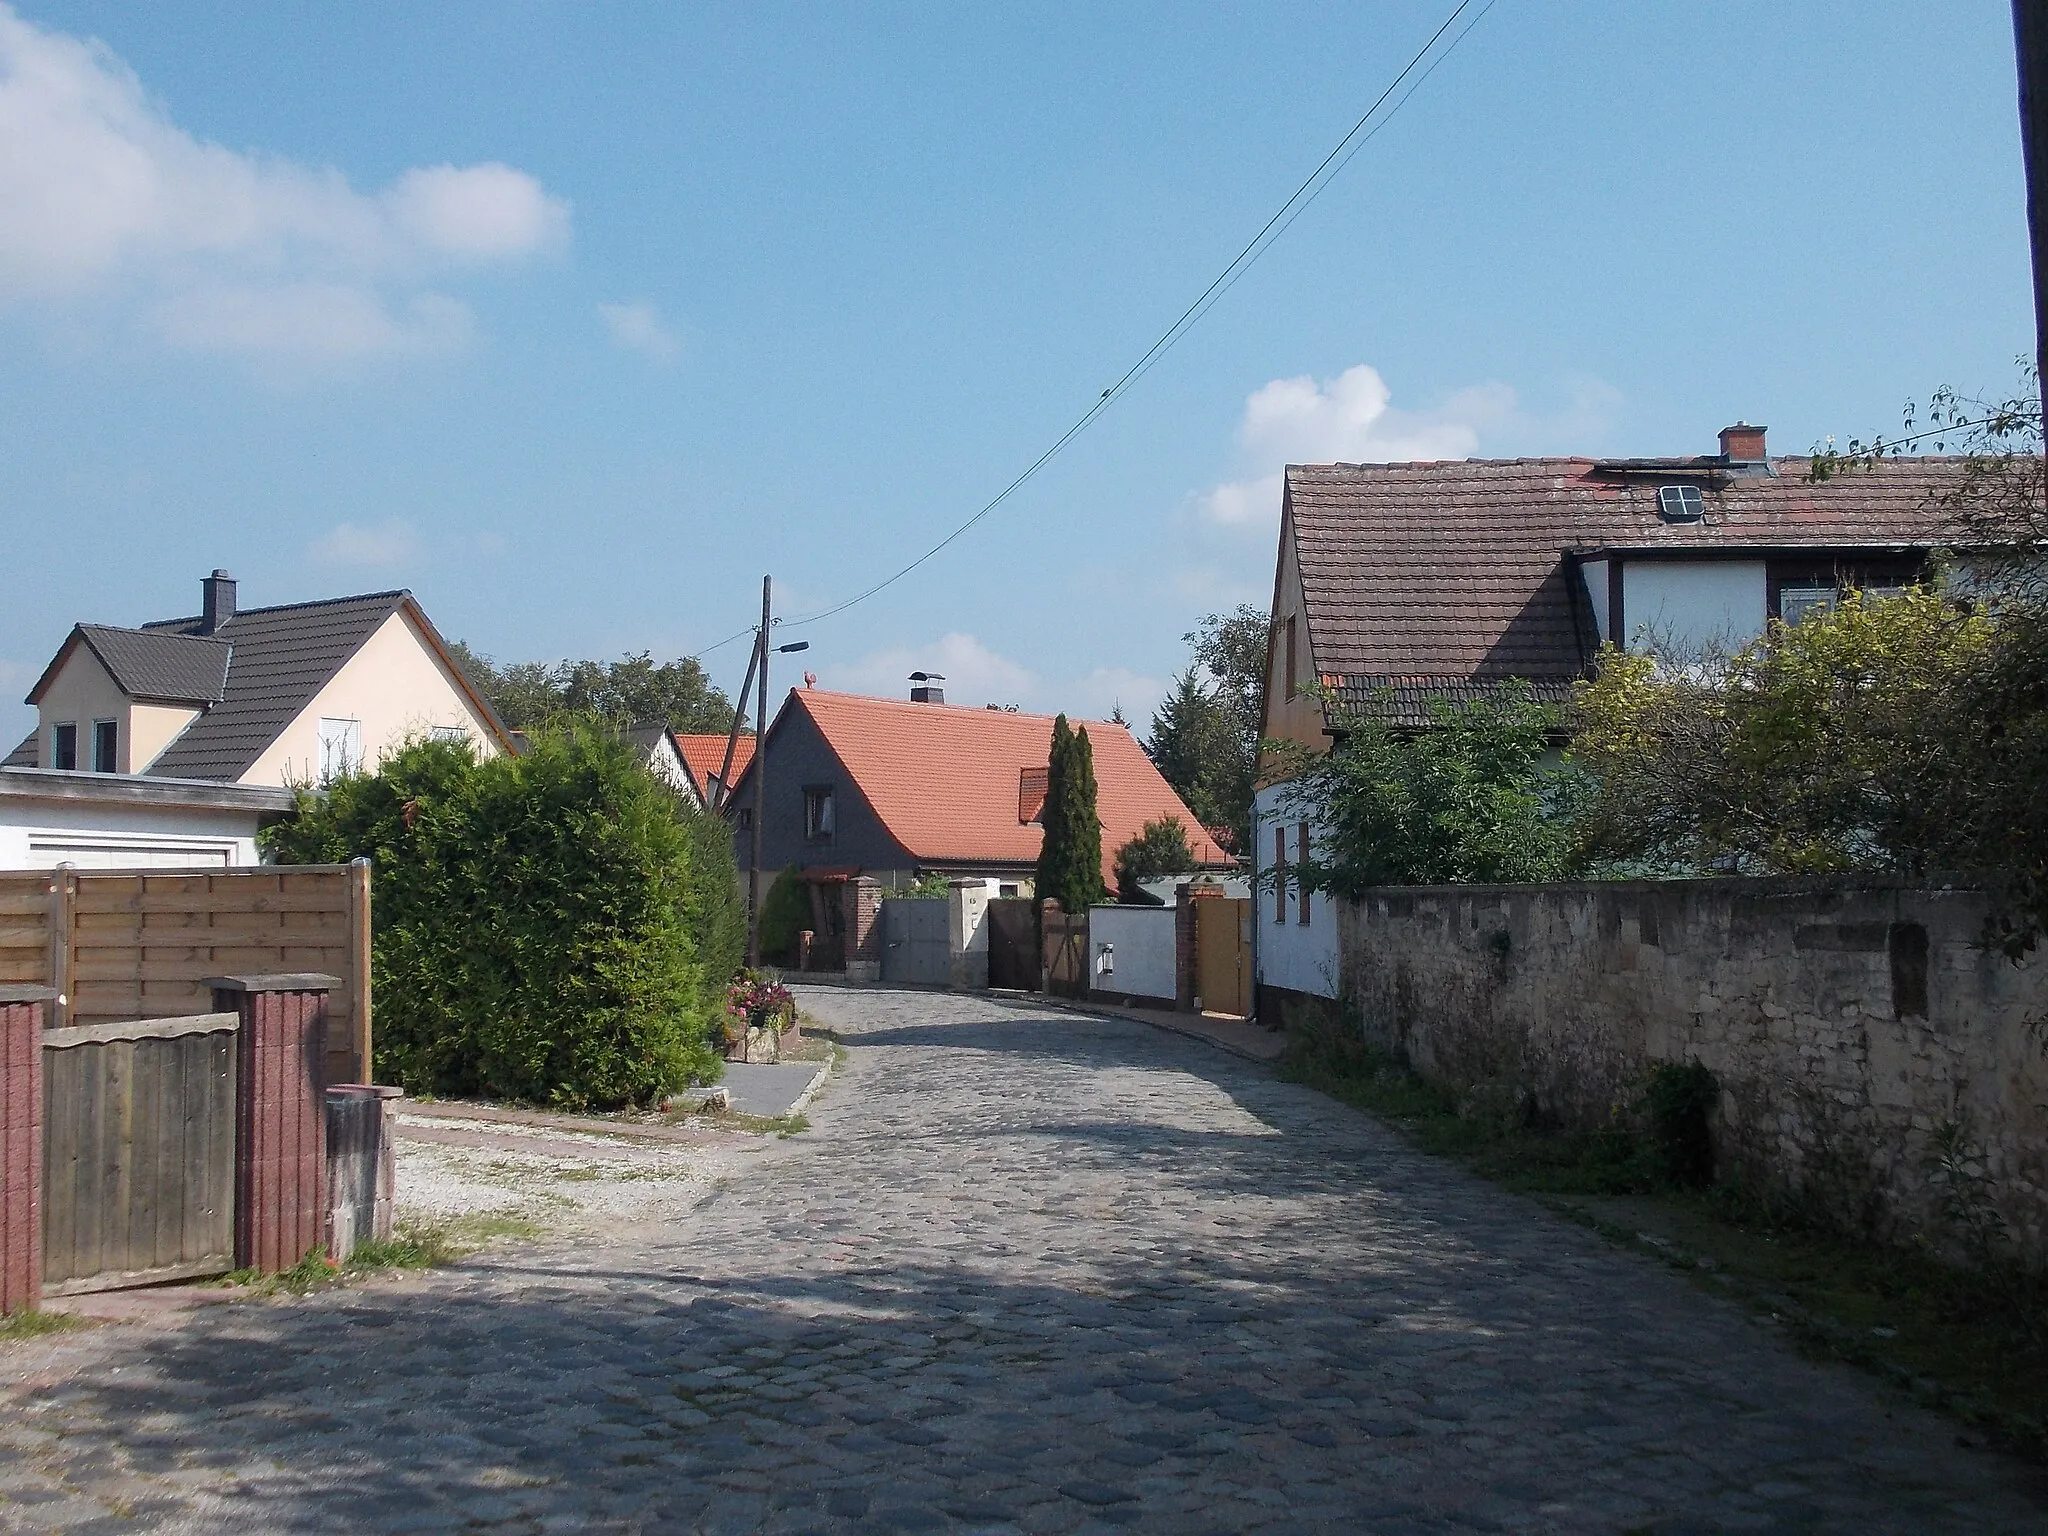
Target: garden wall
[[1846, 1022]]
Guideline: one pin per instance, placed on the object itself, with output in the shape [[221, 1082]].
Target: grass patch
[[1970, 1341], [415, 1245], [30, 1323]]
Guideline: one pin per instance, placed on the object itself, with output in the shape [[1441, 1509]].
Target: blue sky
[[577, 318]]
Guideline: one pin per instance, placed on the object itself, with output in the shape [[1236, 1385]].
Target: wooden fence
[[120, 946]]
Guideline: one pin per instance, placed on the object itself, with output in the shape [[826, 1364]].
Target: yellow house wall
[[396, 686], [1299, 717], [151, 728], [83, 691]]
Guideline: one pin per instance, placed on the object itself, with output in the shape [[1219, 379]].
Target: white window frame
[[57, 726], [113, 763], [341, 748]]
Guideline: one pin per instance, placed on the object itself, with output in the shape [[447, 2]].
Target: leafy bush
[[785, 912], [546, 925], [1470, 799], [1160, 848]]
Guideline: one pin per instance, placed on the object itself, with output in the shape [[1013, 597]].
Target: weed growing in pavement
[[415, 1245], [32, 1323], [1970, 1340]]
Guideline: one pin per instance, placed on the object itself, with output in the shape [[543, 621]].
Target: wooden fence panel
[[138, 1152]]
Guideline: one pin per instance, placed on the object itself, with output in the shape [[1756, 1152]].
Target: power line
[[1325, 172]]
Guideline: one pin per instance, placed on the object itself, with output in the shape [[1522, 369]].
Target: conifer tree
[[1070, 856]]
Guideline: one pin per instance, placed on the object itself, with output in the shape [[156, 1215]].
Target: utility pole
[[2030, 36], [760, 766]]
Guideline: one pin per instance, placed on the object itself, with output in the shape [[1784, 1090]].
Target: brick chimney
[[216, 602], [1743, 444]]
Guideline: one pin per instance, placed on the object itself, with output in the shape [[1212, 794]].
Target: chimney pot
[[1743, 444], [216, 602], [927, 690]]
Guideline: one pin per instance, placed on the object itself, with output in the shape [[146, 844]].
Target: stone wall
[[1846, 1021]]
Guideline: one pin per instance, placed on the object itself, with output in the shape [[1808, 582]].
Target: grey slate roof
[[180, 669], [26, 755], [282, 657]]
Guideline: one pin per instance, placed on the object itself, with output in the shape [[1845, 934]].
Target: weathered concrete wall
[[1846, 1021]]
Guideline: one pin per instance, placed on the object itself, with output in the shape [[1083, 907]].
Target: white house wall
[[395, 686], [1690, 608], [38, 834], [1301, 958], [1132, 951]]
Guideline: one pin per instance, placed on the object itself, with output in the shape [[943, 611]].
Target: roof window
[[1681, 503]]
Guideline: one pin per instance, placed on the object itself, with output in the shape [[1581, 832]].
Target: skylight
[[1681, 503]]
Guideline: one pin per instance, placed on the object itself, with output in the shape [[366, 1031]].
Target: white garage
[[126, 821]]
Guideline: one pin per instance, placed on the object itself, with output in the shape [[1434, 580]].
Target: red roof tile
[[1457, 569], [705, 755], [944, 779]]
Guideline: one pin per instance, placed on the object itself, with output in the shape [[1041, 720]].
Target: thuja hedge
[[556, 928]]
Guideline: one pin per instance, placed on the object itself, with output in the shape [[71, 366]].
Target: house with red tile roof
[[704, 760], [892, 789], [1398, 582]]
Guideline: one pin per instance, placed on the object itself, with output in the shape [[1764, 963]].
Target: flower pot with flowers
[[757, 1010]]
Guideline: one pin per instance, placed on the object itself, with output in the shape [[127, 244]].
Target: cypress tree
[[1070, 856]]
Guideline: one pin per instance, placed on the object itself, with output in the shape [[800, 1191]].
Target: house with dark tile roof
[[260, 696], [1398, 582], [893, 789]]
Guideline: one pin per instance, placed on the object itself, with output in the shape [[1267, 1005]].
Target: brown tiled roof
[[1459, 569], [705, 755], [944, 779]]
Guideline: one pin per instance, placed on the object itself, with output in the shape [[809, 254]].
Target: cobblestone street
[[1028, 1271]]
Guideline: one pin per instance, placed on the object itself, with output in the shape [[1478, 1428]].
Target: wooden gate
[[1065, 936], [1013, 944], [1223, 954], [138, 1152]]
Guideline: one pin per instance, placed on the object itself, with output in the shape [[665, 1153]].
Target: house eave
[[134, 789]]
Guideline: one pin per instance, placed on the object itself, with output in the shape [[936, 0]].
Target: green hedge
[[785, 912], [556, 928]]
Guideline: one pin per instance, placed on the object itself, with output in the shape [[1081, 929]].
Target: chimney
[[216, 602], [1742, 444], [924, 692]]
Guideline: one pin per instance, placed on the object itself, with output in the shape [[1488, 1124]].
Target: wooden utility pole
[[2030, 36], [760, 767]]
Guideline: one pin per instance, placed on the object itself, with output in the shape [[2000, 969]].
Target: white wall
[[1688, 608], [41, 834], [1300, 958], [1131, 951], [396, 686]]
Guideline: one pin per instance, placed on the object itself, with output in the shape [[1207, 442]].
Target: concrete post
[[21, 1145], [280, 1115], [362, 1166], [967, 933]]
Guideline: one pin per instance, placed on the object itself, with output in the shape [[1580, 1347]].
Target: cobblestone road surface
[[1031, 1272]]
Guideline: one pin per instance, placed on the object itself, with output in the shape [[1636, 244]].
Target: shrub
[[1160, 848], [1678, 1101], [545, 924], [785, 912]]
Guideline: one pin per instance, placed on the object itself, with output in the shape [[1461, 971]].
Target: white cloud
[[639, 328], [388, 543], [1351, 419], [103, 197], [976, 675]]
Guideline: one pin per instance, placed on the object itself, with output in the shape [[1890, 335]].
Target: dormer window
[[1031, 788], [1681, 503]]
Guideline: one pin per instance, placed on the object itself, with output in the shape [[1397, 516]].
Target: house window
[[1797, 603], [341, 749], [1301, 860], [106, 738], [1681, 503], [1279, 874], [1031, 786], [1293, 661], [64, 745], [449, 733], [818, 813], [746, 818]]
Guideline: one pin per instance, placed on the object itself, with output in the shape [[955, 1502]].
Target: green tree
[[633, 690], [1205, 735], [1070, 853], [1159, 849], [1469, 800], [549, 927]]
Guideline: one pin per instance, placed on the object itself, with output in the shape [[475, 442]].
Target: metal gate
[[914, 948], [1013, 944], [138, 1152], [1223, 954]]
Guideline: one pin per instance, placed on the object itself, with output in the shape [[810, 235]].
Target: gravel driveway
[[1029, 1271]]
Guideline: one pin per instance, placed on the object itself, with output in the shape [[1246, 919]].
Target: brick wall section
[[1845, 1021], [281, 1116], [21, 1145], [1186, 962], [863, 898]]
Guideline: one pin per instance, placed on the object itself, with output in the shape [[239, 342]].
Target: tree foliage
[[1070, 853], [555, 928], [1470, 799], [1160, 849], [1205, 735], [785, 913], [633, 690]]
